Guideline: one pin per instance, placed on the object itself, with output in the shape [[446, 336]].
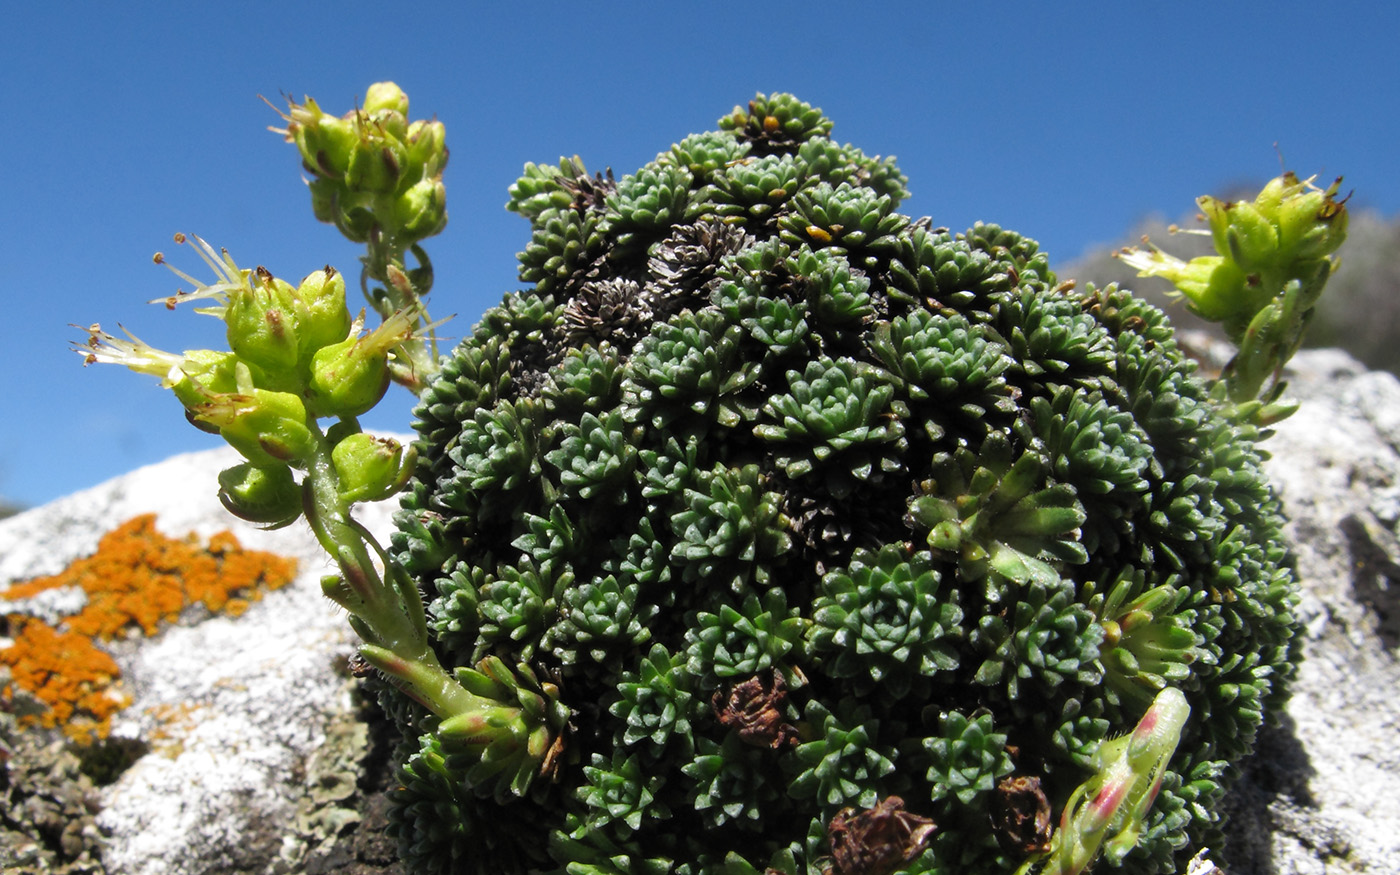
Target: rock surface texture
[[251, 753], [245, 729], [1320, 794]]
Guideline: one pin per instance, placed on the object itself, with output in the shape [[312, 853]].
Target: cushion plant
[[770, 529]]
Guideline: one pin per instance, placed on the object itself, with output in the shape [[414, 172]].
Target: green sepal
[[261, 321], [371, 468], [322, 318], [267, 494]]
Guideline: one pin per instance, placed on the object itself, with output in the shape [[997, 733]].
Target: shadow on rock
[[1375, 578], [1277, 773]]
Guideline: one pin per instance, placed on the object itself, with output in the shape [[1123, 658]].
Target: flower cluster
[[378, 178], [1273, 257], [373, 171], [295, 356]]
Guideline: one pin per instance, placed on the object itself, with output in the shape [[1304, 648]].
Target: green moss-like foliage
[[805, 504]]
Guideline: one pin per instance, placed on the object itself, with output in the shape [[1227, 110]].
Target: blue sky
[[1068, 122]]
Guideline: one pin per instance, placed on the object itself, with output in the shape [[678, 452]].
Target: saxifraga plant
[[772, 530]]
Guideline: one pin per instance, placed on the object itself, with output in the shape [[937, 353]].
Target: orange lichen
[[137, 579], [66, 671]]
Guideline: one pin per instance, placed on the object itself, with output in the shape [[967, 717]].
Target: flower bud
[[1214, 285], [1290, 221], [1271, 196], [1311, 224], [268, 428], [1109, 809], [354, 215], [1106, 803], [427, 146], [1241, 233], [261, 320], [348, 378], [421, 211], [322, 317], [373, 168], [376, 165], [324, 141], [261, 494], [371, 468], [386, 96], [205, 373], [1155, 738], [325, 200]]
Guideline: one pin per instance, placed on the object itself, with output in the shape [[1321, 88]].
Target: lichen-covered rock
[[138, 580], [825, 521], [240, 748], [48, 802]]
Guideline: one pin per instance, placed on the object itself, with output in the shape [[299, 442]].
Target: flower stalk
[[296, 358]]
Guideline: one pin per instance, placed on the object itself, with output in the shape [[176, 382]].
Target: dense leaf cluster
[[806, 505]]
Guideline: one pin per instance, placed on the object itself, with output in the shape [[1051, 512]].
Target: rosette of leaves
[[689, 367], [776, 123], [706, 154], [646, 204], [496, 462], [618, 793], [871, 617], [541, 188], [966, 760], [600, 616], [936, 269], [566, 250], [587, 380], [731, 529], [845, 762], [753, 190], [596, 456], [1149, 638], [777, 323], [732, 784], [998, 516], [654, 704], [823, 521], [948, 363], [833, 420], [1045, 639], [851, 218], [742, 641], [1101, 452], [1019, 256]]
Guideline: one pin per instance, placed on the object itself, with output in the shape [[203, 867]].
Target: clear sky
[[127, 122]]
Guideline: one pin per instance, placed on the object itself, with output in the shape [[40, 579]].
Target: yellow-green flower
[[348, 378]]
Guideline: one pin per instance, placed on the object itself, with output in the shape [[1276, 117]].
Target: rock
[[249, 727], [255, 752], [1320, 796]]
